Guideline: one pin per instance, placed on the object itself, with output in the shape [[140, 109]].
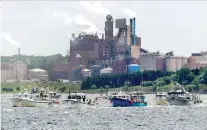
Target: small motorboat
[[77, 100], [54, 95], [160, 98]]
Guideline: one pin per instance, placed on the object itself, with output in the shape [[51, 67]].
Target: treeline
[[155, 79], [42, 62]]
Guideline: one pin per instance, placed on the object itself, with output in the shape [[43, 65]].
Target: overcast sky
[[42, 28]]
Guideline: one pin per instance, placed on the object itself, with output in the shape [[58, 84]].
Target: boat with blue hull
[[135, 99], [119, 102]]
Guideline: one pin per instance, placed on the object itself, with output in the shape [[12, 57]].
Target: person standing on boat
[[84, 98]]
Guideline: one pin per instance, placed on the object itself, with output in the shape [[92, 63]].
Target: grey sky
[[40, 30]]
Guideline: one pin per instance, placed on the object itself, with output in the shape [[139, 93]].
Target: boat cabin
[[137, 96], [53, 94], [137, 93], [161, 95], [23, 95], [117, 95], [76, 96], [180, 93]]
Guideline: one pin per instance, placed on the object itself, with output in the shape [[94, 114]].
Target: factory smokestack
[[109, 27], [18, 54]]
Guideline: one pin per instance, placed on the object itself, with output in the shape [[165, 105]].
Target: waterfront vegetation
[[148, 81], [194, 80]]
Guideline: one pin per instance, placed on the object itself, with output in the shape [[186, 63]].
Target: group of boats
[[116, 99]]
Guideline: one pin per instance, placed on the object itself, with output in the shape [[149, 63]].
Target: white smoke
[[8, 37], [79, 20], [94, 7], [65, 16], [82, 21], [129, 12]]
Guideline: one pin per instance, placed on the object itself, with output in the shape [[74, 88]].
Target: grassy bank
[[66, 87]]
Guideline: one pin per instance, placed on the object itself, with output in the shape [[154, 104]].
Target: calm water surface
[[63, 117]]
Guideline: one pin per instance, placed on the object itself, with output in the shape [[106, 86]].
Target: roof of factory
[[37, 70]]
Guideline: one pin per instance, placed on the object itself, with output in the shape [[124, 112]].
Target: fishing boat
[[78, 100], [54, 95], [179, 96], [26, 100], [135, 99], [160, 98]]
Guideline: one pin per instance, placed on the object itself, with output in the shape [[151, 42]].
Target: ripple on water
[[101, 118]]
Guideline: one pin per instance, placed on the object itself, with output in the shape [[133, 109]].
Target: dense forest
[[192, 79], [42, 62]]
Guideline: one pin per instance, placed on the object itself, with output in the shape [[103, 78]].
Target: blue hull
[[117, 102]]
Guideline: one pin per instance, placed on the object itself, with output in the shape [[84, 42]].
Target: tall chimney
[[18, 53], [103, 36]]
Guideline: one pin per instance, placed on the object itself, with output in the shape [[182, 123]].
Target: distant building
[[175, 63], [113, 51], [86, 73], [61, 71], [95, 70], [152, 61], [197, 60], [38, 74], [13, 71], [109, 27]]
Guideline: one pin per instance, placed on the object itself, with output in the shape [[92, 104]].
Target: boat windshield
[[75, 97], [23, 95], [160, 96]]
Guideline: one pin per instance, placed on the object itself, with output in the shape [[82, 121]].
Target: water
[[63, 117]]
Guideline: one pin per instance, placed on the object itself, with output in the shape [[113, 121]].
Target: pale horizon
[[43, 28]]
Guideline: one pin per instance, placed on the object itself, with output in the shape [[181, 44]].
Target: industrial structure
[[94, 53], [121, 53], [175, 63], [197, 60], [152, 61], [38, 74], [13, 71]]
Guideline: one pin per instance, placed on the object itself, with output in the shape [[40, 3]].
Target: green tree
[[101, 90], [62, 89], [127, 83], [182, 75], [18, 88], [167, 80], [160, 82], [93, 86], [196, 84], [203, 77], [173, 77], [146, 83], [125, 88], [190, 77], [189, 88]]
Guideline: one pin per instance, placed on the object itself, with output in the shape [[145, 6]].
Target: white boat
[[26, 100], [179, 96], [160, 98], [54, 95], [78, 100]]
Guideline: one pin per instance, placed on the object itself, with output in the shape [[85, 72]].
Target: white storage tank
[[106, 71], [86, 72], [175, 63]]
